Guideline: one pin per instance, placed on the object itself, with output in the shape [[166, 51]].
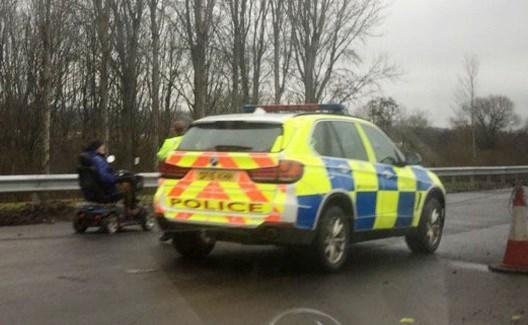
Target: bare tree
[[234, 43], [493, 114], [155, 78], [197, 22], [128, 20], [44, 21], [258, 47], [465, 97], [282, 47], [102, 18], [416, 119], [382, 111], [324, 33], [53, 19]]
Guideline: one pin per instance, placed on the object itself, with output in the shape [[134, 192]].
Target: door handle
[[388, 174]]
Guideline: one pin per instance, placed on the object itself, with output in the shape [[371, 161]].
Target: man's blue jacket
[[105, 171]]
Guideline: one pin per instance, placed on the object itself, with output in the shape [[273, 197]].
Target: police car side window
[[350, 141], [385, 150], [324, 140]]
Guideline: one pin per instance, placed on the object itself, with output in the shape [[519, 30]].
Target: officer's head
[[179, 127]]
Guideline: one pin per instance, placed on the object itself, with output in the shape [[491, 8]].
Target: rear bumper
[[264, 234]]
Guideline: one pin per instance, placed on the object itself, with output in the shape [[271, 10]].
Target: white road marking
[[470, 266], [304, 311]]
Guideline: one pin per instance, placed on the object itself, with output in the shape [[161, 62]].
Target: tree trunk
[[103, 30], [276, 21], [155, 34], [44, 82]]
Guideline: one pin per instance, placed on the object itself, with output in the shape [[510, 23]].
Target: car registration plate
[[215, 175]]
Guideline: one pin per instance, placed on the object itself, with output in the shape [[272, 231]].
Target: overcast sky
[[428, 40]]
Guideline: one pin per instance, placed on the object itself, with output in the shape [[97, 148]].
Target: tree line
[[486, 132], [122, 70], [484, 129]]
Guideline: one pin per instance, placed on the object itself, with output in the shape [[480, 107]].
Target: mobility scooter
[[102, 210]]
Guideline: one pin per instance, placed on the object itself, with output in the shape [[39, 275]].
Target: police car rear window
[[231, 136]]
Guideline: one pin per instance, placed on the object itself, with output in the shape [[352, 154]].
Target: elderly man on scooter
[[114, 186]]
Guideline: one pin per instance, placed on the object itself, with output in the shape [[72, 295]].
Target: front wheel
[[332, 241], [426, 238], [194, 245]]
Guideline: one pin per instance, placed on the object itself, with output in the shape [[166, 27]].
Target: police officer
[[178, 129]]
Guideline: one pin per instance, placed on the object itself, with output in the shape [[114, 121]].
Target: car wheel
[[332, 240], [426, 238], [196, 244], [111, 224], [79, 224]]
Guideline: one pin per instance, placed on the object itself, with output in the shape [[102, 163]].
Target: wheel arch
[[437, 193], [338, 198]]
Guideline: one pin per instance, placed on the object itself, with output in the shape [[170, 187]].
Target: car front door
[[396, 196], [362, 173]]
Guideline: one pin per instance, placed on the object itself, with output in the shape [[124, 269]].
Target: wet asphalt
[[49, 275]]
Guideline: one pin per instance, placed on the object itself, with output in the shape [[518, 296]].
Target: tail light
[[171, 171], [288, 171]]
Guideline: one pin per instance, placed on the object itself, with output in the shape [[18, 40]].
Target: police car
[[295, 175]]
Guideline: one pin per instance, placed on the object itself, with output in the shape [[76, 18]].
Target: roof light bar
[[296, 108]]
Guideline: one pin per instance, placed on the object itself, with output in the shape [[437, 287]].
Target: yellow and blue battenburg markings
[[423, 181], [385, 197], [339, 174]]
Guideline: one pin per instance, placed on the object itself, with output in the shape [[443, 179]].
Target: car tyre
[[193, 245], [426, 238], [332, 240]]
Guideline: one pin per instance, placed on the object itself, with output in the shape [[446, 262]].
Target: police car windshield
[[232, 136]]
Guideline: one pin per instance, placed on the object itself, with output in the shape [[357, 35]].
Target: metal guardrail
[[67, 182], [480, 171], [54, 182]]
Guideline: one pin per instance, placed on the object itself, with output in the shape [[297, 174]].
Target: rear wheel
[[147, 221], [111, 224], [331, 243], [426, 238], [79, 224], [196, 244]]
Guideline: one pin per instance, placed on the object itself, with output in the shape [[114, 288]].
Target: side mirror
[[137, 160], [110, 159], [413, 158]]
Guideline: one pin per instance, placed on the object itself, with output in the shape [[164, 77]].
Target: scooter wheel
[[147, 224], [79, 224], [111, 224]]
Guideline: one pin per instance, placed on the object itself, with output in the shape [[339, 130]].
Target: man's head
[[179, 127], [98, 146]]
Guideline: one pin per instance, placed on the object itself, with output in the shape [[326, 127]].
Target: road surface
[[48, 275]]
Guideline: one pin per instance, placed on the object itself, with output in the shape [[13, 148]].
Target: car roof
[[273, 117]]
